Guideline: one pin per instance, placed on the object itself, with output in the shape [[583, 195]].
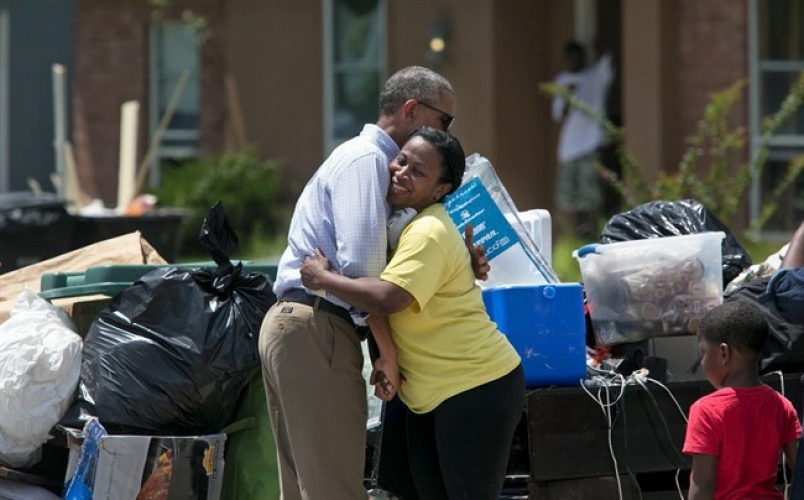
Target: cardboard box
[[682, 354], [84, 313], [138, 467], [127, 249], [546, 325]]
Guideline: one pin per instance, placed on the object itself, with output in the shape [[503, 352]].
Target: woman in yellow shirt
[[462, 381]]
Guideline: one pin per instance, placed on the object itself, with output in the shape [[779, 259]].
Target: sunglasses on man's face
[[446, 118]]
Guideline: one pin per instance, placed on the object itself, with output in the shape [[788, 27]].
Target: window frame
[[155, 113], [780, 146], [329, 140], [5, 62]]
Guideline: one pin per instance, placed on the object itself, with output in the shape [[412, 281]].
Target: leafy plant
[[248, 187], [189, 17], [711, 169]]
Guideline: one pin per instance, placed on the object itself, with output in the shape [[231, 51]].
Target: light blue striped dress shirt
[[343, 211]]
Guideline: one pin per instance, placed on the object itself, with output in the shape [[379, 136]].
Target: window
[[354, 66], [5, 172], [174, 50], [776, 58]]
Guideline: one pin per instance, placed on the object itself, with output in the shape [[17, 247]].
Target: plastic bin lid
[[112, 279], [585, 250], [597, 248], [27, 199]]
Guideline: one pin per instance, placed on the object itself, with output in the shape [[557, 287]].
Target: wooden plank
[[127, 170]]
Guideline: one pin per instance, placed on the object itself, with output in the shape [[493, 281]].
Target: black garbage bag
[[675, 218], [172, 353]]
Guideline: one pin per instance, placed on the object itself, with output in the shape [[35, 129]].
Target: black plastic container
[[160, 228], [33, 227]]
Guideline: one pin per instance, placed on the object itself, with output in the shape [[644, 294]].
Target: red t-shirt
[[746, 428]]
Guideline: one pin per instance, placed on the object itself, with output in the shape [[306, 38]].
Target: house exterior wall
[[673, 55], [112, 66], [497, 55], [274, 52], [468, 62], [649, 82], [528, 49], [676, 54], [713, 54]]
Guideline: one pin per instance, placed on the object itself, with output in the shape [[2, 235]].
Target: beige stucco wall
[[467, 65], [674, 53], [274, 52], [649, 83], [497, 55], [529, 37]]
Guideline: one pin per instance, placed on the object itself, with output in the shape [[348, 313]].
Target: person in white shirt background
[[579, 194]]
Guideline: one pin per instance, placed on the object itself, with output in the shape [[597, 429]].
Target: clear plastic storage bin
[[654, 287]]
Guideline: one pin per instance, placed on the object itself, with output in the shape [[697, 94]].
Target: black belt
[[320, 304]]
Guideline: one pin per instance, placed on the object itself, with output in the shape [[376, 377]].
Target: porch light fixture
[[438, 37]]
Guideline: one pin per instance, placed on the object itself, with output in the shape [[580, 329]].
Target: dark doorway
[[609, 27]]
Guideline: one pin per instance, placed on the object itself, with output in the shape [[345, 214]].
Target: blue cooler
[[545, 324]]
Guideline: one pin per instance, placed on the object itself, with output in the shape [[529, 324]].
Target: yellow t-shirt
[[446, 343]]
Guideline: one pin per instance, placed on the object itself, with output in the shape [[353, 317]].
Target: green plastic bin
[[250, 458], [112, 279]]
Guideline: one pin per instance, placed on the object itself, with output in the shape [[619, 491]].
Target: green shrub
[[564, 264], [248, 187]]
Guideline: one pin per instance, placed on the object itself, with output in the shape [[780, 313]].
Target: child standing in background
[[736, 433]]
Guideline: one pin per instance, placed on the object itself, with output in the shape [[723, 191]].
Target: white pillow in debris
[[40, 363]]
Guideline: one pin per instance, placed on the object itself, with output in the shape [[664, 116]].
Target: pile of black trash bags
[[171, 354], [785, 348]]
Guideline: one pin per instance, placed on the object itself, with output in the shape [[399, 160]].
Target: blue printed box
[[514, 258], [545, 324]]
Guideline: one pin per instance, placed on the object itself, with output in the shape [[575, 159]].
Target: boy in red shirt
[[735, 434]]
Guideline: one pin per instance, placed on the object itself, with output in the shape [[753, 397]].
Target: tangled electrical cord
[[606, 408], [604, 380]]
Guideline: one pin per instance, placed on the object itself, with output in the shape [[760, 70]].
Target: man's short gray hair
[[413, 82]]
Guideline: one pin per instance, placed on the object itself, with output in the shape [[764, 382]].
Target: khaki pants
[[311, 366]]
